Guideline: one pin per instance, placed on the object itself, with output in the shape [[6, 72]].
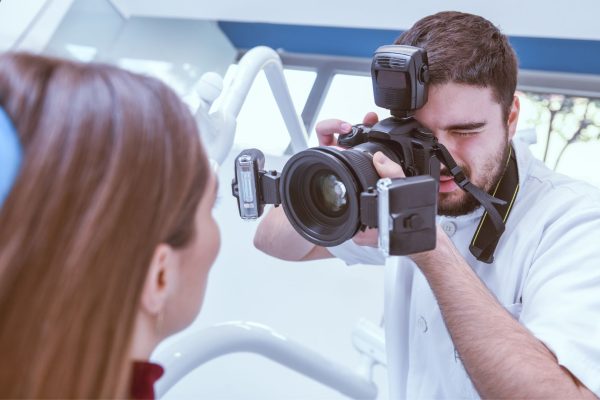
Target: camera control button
[[413, 221], [352, 138], [449, 227], [424, 74]]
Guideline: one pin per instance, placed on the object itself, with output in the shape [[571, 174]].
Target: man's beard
[[459, 202]]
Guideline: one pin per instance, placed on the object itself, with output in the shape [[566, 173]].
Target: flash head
[[252, 185], [247, 166], [400, 75]]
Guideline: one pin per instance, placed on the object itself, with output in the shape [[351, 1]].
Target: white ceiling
[[28, 25], [538, 18]]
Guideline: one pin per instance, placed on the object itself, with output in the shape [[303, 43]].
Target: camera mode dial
[[353, 138]]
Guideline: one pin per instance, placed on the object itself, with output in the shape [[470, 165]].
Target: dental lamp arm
[[218, 123], [193, 349]]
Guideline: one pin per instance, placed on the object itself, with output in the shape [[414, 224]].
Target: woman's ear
[[161, 281], [513, 117]]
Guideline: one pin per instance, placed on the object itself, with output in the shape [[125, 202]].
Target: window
[[567, 130], [260, 123]]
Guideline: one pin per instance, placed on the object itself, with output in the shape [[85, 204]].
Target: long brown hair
[[466, 48], [112, 167]]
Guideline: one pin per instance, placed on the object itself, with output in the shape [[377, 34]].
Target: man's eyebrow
[[467, 126]]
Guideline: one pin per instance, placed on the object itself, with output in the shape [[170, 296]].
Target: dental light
[[220, 106]]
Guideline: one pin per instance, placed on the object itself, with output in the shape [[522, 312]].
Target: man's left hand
[[386, 168]]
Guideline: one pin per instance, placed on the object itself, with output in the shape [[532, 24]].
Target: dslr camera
[[329, 194]]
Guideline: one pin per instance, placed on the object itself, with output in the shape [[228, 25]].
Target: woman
[[106, 236]]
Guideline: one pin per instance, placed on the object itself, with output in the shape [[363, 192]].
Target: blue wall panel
[[546, 54]]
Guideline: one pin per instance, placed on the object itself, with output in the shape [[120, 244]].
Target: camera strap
[[486, 237], [497, 206]]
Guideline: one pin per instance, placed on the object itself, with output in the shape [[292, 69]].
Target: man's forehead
[[460, 93], [451, 105]]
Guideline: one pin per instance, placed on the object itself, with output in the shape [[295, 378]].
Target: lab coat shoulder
[[551, 188], [549, 203], [546, 205], [560, 296]]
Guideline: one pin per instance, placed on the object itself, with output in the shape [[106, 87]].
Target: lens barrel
[[320, 190]]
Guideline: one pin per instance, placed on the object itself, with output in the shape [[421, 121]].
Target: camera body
[[404, 210]]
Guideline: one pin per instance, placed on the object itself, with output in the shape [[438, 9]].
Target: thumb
[[386, 168]]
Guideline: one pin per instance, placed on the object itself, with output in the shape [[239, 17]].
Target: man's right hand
[[328, 128]]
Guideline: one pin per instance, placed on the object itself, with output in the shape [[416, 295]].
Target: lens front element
[[320, 192], [321, 189], [329, 193]]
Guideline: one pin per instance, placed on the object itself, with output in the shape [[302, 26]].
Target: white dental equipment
[[220, 107]]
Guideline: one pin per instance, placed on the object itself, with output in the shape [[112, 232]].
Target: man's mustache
[[446, 172]]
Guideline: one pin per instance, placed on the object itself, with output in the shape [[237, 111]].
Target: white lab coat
[[546, 273]]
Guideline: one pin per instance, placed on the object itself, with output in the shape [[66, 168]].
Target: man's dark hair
[[466, 48]]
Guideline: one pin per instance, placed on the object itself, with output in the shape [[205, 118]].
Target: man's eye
[[465, 133]]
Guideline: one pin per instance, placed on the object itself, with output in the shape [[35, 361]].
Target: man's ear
[[513, 117], [161, 280]]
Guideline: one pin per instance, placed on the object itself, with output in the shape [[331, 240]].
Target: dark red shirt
[[144, 375]]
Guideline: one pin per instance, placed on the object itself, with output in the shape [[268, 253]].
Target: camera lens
[[320, 190], [329, 192]]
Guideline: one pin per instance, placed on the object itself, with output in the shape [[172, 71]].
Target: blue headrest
[[11, 155]]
